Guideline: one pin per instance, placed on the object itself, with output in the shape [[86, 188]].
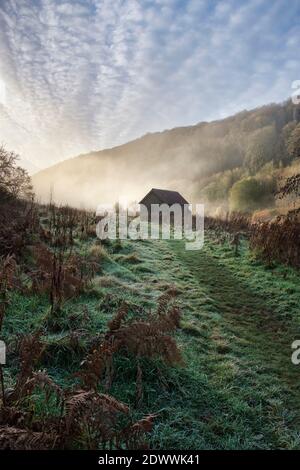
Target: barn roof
[[166, 197]]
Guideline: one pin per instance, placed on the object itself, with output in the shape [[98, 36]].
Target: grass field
[[237, 388]]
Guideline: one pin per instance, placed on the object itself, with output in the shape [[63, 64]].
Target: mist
[[186, 159]]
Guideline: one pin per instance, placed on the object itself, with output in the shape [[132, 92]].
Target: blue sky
[[82, 75]]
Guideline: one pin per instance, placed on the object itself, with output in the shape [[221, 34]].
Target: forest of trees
[[269, 140], [202, 161]]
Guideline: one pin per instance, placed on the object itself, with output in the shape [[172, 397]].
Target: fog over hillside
[[181, 159]]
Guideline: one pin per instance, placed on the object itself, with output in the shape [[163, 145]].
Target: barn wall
[[153, 199]]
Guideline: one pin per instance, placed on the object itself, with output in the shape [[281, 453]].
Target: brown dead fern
[[134, 436], [30, 350], [12, 438], [93, 417]]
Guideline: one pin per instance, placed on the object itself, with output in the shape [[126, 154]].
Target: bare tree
[[14, 180]]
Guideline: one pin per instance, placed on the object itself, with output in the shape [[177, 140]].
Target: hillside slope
[[180, 159]]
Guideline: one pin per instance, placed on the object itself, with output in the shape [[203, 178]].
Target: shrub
[[97, 253], [278, 241], [250, 194], [220, 185]]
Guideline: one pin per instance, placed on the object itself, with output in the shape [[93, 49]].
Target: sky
[[83, 75]]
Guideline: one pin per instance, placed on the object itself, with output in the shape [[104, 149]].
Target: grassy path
[[239, 388], [246, 313]]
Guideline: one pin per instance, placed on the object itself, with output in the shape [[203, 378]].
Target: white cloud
[[90, 74]]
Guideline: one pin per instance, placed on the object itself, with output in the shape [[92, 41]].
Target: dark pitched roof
[[166, 197]]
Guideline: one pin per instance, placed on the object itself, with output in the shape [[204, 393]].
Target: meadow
[[154, 346]]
